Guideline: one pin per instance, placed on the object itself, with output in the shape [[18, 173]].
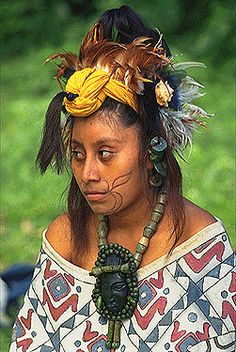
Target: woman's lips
[[94, 197]]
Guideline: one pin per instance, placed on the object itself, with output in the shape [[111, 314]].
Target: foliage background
[[31, 30]]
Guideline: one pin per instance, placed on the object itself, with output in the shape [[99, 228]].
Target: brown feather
[[94, 36], [131, 64], [68, 60]]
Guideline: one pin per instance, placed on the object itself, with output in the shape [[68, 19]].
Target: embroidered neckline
[[189, 245]]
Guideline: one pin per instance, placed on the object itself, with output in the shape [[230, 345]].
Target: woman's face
[[105, 163]]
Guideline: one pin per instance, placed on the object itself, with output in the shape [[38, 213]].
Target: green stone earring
[[157, 149]]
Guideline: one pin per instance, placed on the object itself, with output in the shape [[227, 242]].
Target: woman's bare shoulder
[[59, 235], [196, 218]]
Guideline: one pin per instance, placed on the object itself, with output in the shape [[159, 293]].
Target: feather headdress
[[135, 64]]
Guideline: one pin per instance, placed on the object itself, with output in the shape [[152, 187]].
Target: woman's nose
[[90, 171]]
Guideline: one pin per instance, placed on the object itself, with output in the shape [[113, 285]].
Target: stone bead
[[144, 241], [110, 330], [156, 217], [159, 208], [102, 232], [147, 232], [140, 248], [108, 344], [132, 267], [103, 223], [130, 314], [98, 303], [124, 268], [101, 241], [152, 225], [115, 345], [161, 198], [138, 257], [97, 271]]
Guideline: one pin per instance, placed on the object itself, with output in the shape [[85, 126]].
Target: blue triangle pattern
[[179, 304], [43, 320], [179, 272], [46, 349], [69, 323], [215, 272], [204, 306], [56, 341], [193, 293], [200, 284], [131, 329], [230, 260], [153, 336], [167, 319], [38, 265], [143, 347], [217, 324], [34, 302], [51, 334], [85, 310]]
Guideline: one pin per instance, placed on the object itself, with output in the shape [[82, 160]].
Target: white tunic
[[186, 303]]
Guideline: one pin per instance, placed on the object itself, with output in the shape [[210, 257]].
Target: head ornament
[[92, 87], [121, 71]]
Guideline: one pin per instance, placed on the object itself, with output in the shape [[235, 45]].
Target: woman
[[132, 266]]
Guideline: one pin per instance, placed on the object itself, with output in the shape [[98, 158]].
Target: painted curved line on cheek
[[118, 202], [119, 181], [118, 199]]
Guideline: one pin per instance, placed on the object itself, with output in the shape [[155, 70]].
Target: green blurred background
[[32, 30]]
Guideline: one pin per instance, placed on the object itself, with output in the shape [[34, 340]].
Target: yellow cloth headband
[[92, 87]]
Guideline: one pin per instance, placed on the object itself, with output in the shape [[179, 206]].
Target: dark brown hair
[[128, 25], [148, 125]]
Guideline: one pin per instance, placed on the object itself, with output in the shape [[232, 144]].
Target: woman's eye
[[77, 155], [105, 154]]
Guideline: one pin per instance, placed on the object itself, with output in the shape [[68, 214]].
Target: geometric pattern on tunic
[[185, 305]]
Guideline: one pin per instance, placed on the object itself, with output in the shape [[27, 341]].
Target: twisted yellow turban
[[92, 87]]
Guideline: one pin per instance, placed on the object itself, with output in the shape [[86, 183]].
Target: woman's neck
[[131, 221]]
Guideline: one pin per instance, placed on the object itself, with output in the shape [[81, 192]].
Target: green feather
[[114, 34]]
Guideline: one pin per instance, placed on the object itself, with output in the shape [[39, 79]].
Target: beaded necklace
[[115, 293]]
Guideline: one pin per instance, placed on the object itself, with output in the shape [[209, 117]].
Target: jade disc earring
[[157, 149]]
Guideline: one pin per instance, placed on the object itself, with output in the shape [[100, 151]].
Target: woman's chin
[[102, 209]]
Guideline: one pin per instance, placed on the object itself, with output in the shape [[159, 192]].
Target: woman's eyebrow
[[99, 141], [107, 140], [74, 141]]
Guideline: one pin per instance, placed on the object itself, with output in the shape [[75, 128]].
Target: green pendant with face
[[116, 289]]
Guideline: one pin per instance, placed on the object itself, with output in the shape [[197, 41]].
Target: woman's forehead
[[104, 122], [102, 118], [101, 127]]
